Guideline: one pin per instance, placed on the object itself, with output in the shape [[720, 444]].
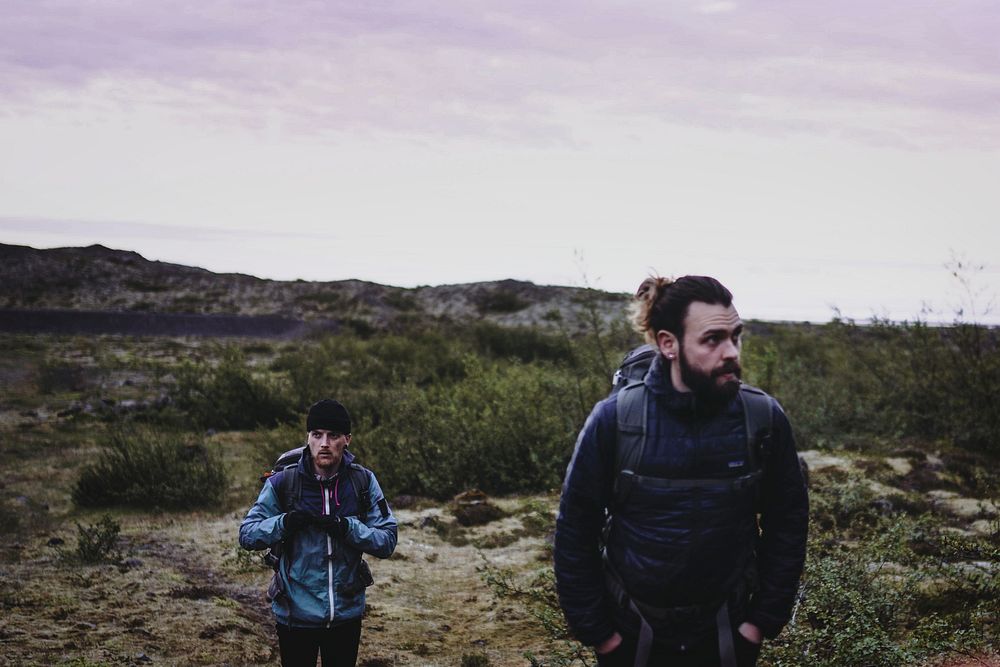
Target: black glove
[[297, 520], [334, 526]]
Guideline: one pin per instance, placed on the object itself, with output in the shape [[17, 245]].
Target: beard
[[706, 387]]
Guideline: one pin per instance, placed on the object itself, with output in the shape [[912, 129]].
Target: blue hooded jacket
[[318, 578]]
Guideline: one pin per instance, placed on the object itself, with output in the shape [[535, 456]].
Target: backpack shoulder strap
[[361, 480], [289, 489], [631, 438], [758, 415]]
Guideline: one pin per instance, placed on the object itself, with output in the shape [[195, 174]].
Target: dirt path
[[183, 595]]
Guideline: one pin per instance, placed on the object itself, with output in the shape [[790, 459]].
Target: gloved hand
[[297, 520], [334, 526]]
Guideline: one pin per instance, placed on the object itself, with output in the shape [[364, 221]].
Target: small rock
[[83, 625], [961, 532], [817, 460], [983, 527], [899, 465], [883, 506], [404, 501], [142, 657], [966, 508], [70, 411], [934, 462]]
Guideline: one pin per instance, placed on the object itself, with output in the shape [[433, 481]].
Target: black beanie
[[328, 415]]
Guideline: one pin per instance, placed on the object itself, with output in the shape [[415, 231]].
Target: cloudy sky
[[811, 155]]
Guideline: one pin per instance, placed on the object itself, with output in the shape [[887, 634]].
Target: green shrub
[[231, 395], [502, 428], [401, 300], [523, 343], [56, 377], [501, 300], [98, 542], [475, 660], [843, 381], [143, 467]]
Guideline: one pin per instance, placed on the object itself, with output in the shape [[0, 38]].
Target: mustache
[[729, 367]]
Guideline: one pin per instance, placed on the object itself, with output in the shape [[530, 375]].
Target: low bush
[[475, 660], [230, 394], [843, 381], [98, 542], [504, 428], [500, 301], [57, 377], [879, 602], [522, 343], [143, 467]]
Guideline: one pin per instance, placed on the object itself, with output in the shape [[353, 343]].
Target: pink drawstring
[[336, 487]]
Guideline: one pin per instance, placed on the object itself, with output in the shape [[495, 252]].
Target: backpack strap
[[361, 481], [631, 441], [758, 415], [289, 489], [632, 414]]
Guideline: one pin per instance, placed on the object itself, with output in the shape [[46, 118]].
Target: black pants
[[705, 654], [338, 645]]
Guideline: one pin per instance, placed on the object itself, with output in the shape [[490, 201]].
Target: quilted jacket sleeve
[[784, 525], [585, 496]]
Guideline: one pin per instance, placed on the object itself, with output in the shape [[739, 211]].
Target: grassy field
[[904, 563]]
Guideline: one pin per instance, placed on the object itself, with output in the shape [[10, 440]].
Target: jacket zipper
[[327, 491]]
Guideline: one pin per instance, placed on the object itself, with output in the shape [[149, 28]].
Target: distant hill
[[97, 279]]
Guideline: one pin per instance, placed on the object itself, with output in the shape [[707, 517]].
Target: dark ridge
[[15, 320]]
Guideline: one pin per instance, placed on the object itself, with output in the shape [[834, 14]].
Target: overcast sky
[[811, 155]]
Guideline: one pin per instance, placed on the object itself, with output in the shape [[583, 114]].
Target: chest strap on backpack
[[632, 417]]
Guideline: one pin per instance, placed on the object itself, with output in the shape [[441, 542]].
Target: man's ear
[[348, 436], [668, 344]]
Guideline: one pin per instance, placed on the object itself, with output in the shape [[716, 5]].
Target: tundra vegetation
[[130, 461]]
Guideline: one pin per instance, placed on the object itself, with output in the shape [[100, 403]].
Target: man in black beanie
[[321, 515]]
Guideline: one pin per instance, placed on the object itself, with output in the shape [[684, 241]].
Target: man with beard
[[682, 524]]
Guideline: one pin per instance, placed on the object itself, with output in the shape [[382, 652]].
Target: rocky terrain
[[100, 279]]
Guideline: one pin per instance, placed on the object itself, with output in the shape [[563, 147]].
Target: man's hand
[[751, 633], [609, 644], [297, 520], [334, 526]]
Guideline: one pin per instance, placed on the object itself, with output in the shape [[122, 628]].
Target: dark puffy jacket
[[680, 547]]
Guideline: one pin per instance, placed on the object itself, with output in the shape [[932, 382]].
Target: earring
[[670, 356]]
